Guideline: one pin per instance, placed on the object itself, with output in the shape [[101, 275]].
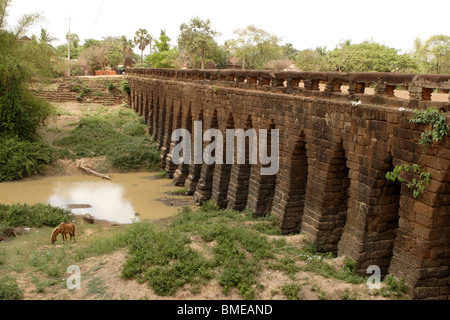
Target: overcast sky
[[306, 24]]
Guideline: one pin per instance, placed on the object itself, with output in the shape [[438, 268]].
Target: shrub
[[20, 158], [32, 216], [125, 87]]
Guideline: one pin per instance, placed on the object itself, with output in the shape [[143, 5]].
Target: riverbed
[[123, 199]]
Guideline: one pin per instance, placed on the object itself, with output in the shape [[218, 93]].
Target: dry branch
[[93, 172]]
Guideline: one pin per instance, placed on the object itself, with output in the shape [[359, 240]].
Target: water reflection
[[117, 200], [103, 200]]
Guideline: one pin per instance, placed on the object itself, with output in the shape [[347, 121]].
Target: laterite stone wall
[[334, 155]]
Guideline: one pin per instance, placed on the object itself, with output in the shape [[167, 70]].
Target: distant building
[[24, 39]]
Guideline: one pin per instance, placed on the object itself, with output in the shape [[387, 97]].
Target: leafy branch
[[437, 126], [436, 131], [417, 185]]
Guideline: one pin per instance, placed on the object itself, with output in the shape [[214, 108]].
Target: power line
[[98, 14]]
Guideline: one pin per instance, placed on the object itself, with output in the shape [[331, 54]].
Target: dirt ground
[[105, 271]]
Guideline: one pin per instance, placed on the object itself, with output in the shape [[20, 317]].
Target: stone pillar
[[238, 187], [222, 172], [372, 217], [240, 178], [194, 169], [182, 172], [289, 197], [326, 196], [262, 187], [156, 121], [421, 253], [203, 192], [161, 125], [166, 148]]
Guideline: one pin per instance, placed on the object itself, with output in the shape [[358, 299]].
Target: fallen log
[[94, 172]]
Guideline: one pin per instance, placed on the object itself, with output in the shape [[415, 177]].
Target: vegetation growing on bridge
[[437, 129]]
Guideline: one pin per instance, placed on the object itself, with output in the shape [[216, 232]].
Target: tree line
[[251, 48]]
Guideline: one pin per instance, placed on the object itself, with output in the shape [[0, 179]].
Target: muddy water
[[117, 200]]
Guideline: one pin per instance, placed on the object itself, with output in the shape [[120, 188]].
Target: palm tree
[[142, 39], [45, 37]]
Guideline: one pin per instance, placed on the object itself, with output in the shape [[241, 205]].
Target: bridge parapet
[[370, 87]]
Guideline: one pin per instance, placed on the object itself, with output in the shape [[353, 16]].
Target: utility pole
[[69, 38]]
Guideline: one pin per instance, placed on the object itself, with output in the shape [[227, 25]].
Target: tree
[[197, 40], [255, 47], [21, 63], [434, 54], [163, 57], [289, 52], [45, 37], [75, 47], [94, 57], [4, 12], [24, 23], [312, 60], [369, 56], [127, 51], [142, 39]]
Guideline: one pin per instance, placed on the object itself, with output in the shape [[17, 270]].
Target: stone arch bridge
[[340, 133]]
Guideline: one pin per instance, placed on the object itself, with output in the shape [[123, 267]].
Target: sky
[[305, 24]]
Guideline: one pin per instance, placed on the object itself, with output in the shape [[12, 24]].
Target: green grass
[[9, 290], [291, 291], [239, 250], [189, 250], [120, 136], [31, 252]]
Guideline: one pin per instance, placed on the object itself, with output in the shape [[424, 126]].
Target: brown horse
[[64, 229]]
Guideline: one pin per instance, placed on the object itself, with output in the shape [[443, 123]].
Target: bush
[[20, 158], [32, 216], [21, 113], [125, 87]]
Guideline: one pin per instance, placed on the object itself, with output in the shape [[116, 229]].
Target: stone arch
[[291, 187], [156, 123], [203, 192], [325, 210], [240, 176], [162, 123], [262, 187], [222, 172], [182, 171], [151, 115], [165, 149], [171, 167], [194, 169], [373, 214]]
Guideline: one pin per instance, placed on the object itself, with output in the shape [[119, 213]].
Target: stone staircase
[[101, 89]]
